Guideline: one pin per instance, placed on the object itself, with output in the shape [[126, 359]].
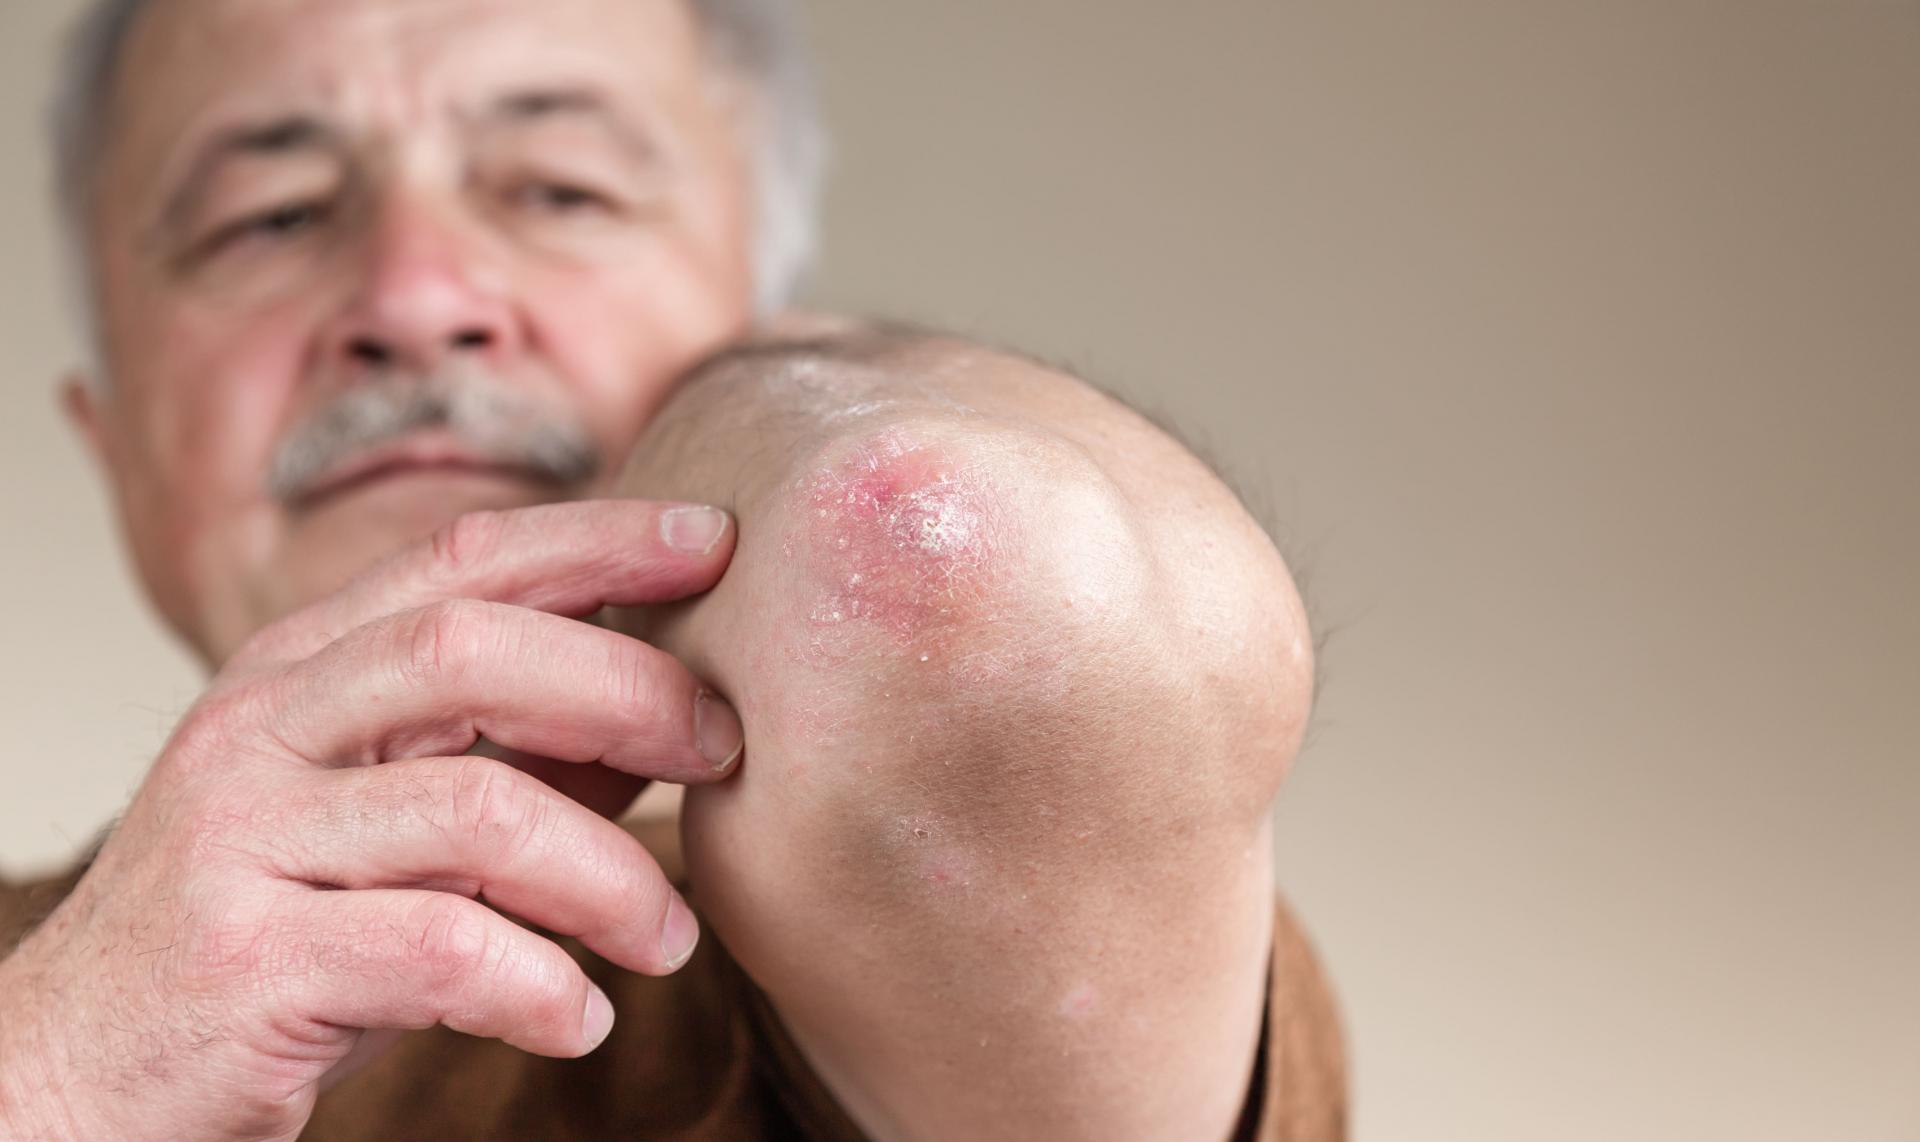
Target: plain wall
[[1573, 350]]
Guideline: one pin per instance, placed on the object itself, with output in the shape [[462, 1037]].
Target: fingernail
[[695, 531], [597, 1024], [717, 732], [679, 935]]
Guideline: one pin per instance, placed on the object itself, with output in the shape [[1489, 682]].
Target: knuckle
[[495, 807], [218, 726], [447, 938], [470, 540], [213, 722], [438, 640], [632, 679], [219, 947], [215, 832], [554, 983]]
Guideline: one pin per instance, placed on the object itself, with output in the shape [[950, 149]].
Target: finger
[[567, 559], [433, 681], [607, 792], [480, 828], [397, 959]]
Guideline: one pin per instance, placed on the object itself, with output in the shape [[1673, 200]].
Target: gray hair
[[759, 42], [498, 422]]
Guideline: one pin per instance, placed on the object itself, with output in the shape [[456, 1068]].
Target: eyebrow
[[285, 134], [299, 132], [586, 104]]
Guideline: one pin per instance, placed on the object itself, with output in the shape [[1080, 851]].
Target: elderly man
[[427, 330]]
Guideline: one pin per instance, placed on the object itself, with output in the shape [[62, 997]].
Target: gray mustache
[[498, 423]]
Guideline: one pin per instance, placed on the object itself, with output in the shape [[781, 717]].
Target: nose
[[422, 292]]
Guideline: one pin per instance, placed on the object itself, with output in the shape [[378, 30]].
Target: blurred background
[[1573, 352]]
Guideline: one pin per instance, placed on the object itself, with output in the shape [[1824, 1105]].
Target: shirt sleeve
[[1300, 1077]]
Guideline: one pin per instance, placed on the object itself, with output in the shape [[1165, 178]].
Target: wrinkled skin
[[1017, 679]]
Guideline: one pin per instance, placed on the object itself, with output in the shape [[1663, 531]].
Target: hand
[[306, 858]]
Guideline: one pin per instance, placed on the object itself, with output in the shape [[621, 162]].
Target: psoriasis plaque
[[901, 533]]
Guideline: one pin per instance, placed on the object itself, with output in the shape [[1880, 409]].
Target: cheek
[[211, 388], [623, 334], [228, 388], [199, 401]]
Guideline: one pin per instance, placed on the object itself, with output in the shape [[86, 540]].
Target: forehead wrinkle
[[531, 104], [384, 77], [390, 65], [325, 105]]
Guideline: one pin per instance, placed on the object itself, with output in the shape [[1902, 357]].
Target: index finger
[[566, 559]]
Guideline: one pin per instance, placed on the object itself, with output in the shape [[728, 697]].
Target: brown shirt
[[700, 1056]]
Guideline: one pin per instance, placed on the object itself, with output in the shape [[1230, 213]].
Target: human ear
[[85, 405]]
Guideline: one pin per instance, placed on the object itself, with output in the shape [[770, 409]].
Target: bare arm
[[1020, 682]]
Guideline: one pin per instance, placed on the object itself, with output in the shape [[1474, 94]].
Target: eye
[[289, 219], [556, 197], [280, 223]]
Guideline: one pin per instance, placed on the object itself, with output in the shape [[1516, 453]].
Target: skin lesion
[[953, 602], [901, 536], [949, 563], [944, 551]]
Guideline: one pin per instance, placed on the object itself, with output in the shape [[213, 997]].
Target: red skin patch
[[1080, 1002], [900, 535]]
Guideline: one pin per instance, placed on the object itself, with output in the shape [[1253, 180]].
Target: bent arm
[[1020, 681]]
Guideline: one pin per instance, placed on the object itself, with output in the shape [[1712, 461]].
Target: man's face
[[364, 265]]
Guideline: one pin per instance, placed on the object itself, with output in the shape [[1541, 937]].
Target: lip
[[421, 454]]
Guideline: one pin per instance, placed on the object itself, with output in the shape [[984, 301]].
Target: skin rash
[[905, 535], [911, 544], [907, 545]]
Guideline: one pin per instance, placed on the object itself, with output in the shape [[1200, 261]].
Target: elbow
[[989, 608], [931, 542]]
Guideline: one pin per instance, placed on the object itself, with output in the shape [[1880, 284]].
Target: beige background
[[1574, 348]]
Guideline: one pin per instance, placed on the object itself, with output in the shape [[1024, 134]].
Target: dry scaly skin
[[905, 536]]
